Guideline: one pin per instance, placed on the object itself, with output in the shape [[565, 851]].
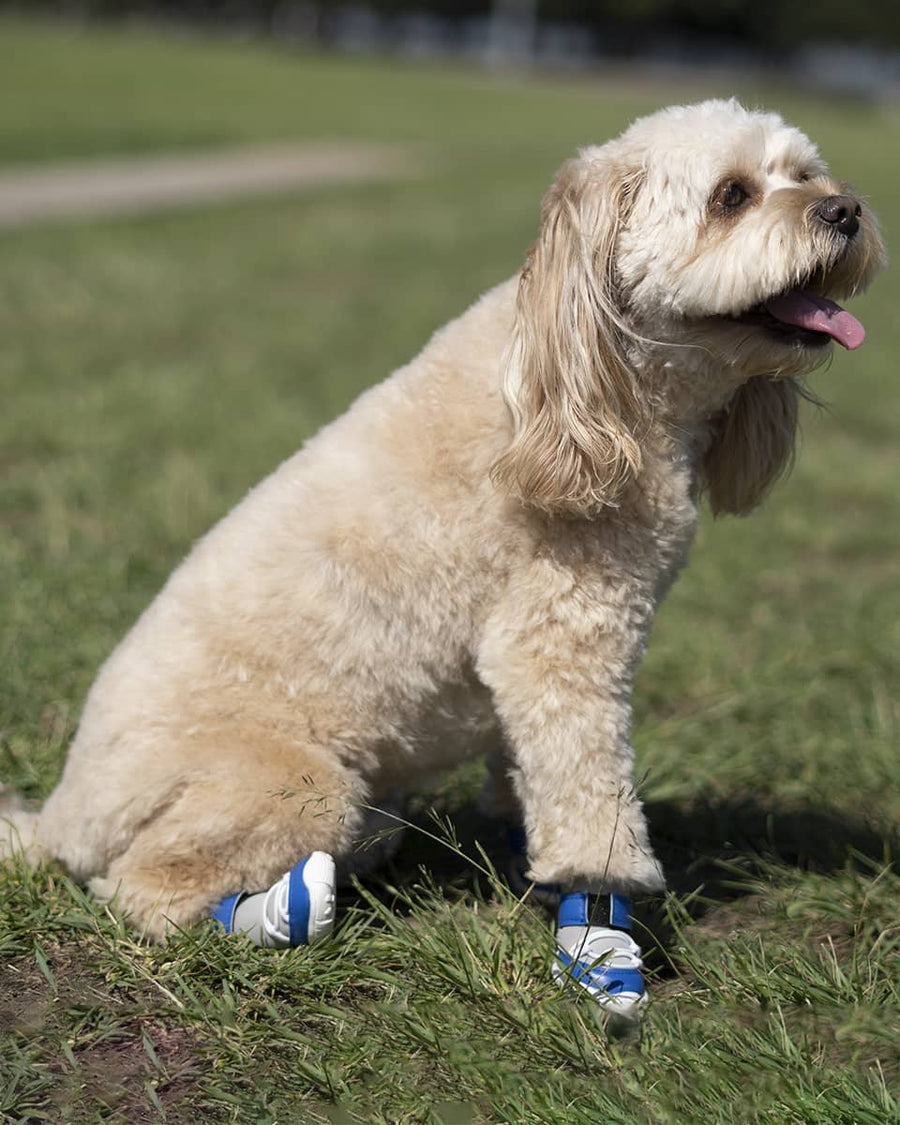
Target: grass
[[766, 710]]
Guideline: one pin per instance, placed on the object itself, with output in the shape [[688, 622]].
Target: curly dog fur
[[471, 557]]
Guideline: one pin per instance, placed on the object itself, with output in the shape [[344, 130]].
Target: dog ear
[[577, 412], [752, 444]]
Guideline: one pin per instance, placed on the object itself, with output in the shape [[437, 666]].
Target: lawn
[[766, 711]]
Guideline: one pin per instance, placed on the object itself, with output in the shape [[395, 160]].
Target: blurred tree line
[[614, 24]]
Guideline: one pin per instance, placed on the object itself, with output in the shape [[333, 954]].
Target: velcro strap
[[577, 909]]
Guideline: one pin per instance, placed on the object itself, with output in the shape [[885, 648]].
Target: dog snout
[[840, 211]]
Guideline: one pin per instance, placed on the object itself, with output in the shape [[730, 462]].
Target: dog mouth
[[803, 316]]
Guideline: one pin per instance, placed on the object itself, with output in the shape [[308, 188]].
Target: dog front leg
[[559, 656]]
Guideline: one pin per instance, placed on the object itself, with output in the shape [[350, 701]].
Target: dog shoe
[[596, 952], [547, 894], [297, 910]]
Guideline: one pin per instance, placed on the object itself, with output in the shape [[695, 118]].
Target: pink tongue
[[808, 310]]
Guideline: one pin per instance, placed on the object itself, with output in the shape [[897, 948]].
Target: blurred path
[[120, 187]]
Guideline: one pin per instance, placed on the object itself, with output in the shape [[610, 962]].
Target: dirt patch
[[25, 998], [120, 187], [143, 1065], [749, 915], [107, 1054]]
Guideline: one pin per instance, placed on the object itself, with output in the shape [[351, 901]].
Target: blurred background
[[832, 44]]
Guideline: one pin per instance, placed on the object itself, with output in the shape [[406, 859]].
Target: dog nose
[[841, 211]]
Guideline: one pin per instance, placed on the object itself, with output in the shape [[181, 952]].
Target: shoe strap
[[224, 912], [297, 903], [579, 909], [605, 978]]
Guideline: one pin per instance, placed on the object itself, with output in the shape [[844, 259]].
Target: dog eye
[[803, 177], [733, 195]]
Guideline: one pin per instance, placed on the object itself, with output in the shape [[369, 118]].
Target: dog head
[[688, 271]]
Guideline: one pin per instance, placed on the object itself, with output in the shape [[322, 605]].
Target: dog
[[469, 559]]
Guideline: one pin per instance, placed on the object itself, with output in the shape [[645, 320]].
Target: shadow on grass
[[704, 847], [710, 852]]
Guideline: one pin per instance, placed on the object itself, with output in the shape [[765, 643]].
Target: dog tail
[[18, 829]]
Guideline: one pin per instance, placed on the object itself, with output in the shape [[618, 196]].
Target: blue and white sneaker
[[596, 952], [545, 893], [297, 910]]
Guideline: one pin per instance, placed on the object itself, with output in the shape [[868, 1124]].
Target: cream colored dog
[[471, 556]]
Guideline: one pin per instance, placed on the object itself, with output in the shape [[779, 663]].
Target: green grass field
[[152, 369]]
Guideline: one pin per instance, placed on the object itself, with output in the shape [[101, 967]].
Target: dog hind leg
[[237, 828]]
